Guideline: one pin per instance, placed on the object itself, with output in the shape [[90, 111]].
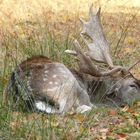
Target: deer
[[52, 88]]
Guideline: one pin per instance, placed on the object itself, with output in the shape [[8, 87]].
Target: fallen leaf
[[121, 135], [112, 112]]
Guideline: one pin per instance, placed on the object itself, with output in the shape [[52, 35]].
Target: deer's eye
[[133, 86]]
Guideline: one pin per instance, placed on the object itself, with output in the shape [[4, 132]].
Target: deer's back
[[45, 80]]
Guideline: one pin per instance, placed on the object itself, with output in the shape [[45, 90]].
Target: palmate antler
[[86, 65], [98, 49]]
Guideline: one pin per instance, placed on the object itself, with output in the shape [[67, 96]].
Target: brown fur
[[35, 61]]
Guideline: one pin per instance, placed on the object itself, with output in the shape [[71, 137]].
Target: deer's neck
[[97, 88]]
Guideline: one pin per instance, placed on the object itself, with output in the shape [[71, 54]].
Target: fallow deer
[[53, 88]]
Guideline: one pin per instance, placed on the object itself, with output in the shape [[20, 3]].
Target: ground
[[30, 28]]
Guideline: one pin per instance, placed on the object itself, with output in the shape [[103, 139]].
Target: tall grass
[[19, 42], [42, 35]]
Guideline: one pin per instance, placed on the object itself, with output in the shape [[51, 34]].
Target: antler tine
[[71, 52], [93, 29], [85, 63], [91, 11]]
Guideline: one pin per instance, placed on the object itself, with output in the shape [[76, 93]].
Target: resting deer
[[53, 88]]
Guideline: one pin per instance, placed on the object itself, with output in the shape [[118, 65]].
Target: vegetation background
[[48, 27]]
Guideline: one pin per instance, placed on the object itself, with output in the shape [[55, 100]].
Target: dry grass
[[29, 27], [25, 21]]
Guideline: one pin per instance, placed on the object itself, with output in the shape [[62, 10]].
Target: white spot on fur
[[52, 89], [46, 72], [51, 83], [45, 79], [54, 76], [56, 83]]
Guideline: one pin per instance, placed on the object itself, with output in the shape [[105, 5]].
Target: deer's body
[[51, 85], [53, 88]]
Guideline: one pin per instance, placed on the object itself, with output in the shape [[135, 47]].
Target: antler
[[98, 49], [86, 65]]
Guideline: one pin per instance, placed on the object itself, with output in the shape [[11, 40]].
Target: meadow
[[29, 28]]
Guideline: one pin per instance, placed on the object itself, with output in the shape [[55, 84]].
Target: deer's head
[[126, 87]]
